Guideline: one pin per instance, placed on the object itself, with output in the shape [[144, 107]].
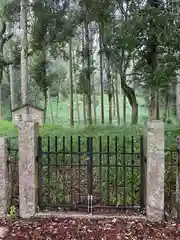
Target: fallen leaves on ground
[[86, 229]]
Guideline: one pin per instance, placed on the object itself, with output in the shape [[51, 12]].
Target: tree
[[50, 32], [101, 72], [24, 51], [71, 76], [157, 57], [121, 44], [5, 36]]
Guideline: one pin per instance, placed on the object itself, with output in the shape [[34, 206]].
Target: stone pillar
[[155, 170], [3, 177], [28, 136]]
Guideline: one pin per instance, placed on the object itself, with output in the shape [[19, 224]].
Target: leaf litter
[[86, 229]]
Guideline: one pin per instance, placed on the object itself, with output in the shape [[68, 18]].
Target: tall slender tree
[[24, 51], [71, 79], [88, 63], [101, 71]]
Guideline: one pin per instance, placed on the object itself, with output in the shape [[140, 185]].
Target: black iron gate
[[13, 172], [90, 174], [172, 183]]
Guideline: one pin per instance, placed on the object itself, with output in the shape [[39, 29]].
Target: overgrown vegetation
[[171, 132]]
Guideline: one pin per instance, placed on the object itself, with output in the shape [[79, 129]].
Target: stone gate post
[[154, 135], [3, 177], [28, 137]]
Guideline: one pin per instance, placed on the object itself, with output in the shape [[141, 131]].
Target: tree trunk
[[58, 99], [117, 99], [71, 81], [178, 98], [157, 104], [152, 104], [84, 108], [50, 106], [134, 116], [124, 107], [114, 99], [110, 107], [173, 98], [88, 65], [71, 85], [83, 66], [24, 51], [77, 105], [130, 94], [12, 92], [45, 104], [3, 39], [101, 73], [154, 113], [109, 89], [94, 106], [76, 93], [11, 68], [92, 76], [166, 107]]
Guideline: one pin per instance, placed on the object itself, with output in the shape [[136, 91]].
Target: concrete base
[[76, 215]]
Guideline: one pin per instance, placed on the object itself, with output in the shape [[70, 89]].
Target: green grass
[[63, 111], [7, 129]]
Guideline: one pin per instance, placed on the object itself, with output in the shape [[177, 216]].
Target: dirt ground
[[88, 229]]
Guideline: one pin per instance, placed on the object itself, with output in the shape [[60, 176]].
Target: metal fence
[[13, 174], [91, 174], [94, 174], [172, 184]]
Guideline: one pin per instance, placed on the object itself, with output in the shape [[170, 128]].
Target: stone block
[[3, 177], [155, 170], [28, 137]]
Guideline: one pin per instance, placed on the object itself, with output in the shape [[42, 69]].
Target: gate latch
[[90, 204]]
